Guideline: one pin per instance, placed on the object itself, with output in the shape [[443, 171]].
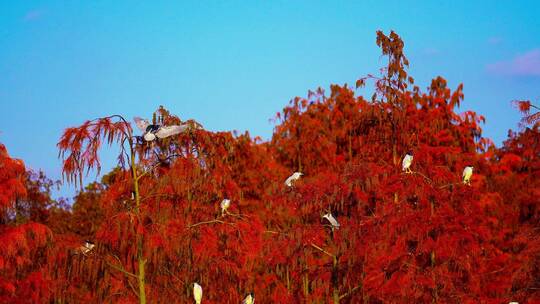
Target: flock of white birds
[[289, 182], [408, 159], [153, 132], [197, 295]]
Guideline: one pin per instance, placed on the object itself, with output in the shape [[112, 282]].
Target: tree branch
[[241, 216], [448, 185], [156, 164], [322, 250], [350, 292], [424, 176], [209, 222], [133, 288], [121, 269]]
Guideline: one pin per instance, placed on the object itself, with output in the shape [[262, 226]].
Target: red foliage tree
[[23, 254], [419, 236]]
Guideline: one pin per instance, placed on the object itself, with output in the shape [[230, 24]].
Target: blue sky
[[232, 65]]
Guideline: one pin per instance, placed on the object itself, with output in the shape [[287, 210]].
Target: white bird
[[152, 132], [332, 220], [467, 174], [296, 176], [86, 248], [197, 293], [250, 299], [407, 162], [225, 203]]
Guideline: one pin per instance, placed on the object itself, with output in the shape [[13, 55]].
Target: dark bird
[[152, 132]]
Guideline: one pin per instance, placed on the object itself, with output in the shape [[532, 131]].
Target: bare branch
[[133, 288], [322, 250], [448, 185], [210, 222], [121, 270], [155, 165], [424, 176], [238, 215], [350, 292]]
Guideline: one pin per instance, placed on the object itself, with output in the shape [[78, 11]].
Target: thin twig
[[156, 164], [350, 292], [322, 250], [133, 288], [174, 276], [238, 215], [209, 222], [451, 184], [121, 270], [424, 176], [538, 108]]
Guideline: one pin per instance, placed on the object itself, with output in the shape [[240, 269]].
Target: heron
[[250, 299], [225, 204], [296, 176], [332, 220], [467, 174], [407, 162], [85, 248], [197, 293], [152, 132]]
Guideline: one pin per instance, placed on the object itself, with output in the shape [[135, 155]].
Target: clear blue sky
[[232, 65]]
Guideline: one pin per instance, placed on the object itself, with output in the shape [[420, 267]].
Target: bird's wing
[[332, 220], [197, 292], [288, 181], [407, 160], [166, 131], [141, 123]]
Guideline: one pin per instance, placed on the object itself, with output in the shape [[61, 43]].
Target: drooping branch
[[79, 146]]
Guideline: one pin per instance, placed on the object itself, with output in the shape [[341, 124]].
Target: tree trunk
[[140, 254], [335, 283]]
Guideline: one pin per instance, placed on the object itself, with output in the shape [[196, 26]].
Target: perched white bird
[[225, 203], [296, 176], [250, 299], [86, 248], [407, 162], [467, 174], [197, 293], [513, 303], [152, 132], [332, 220]]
